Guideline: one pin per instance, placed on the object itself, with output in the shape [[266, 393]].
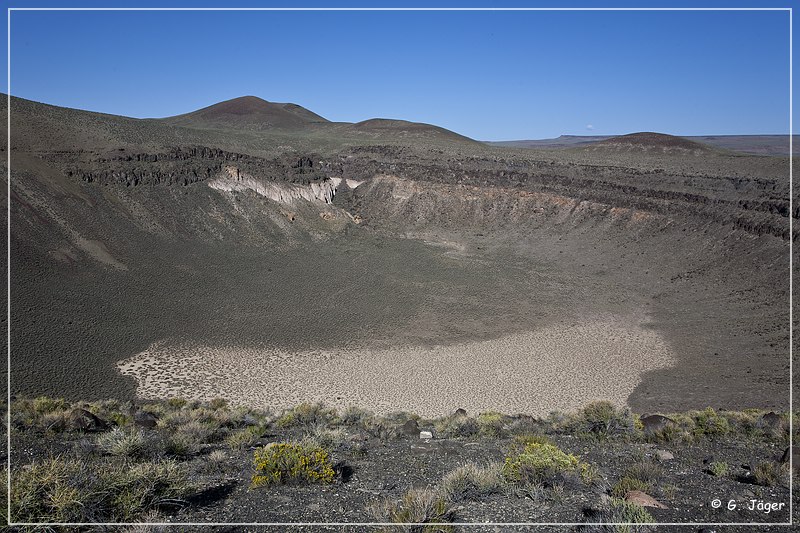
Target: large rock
[[655, 423], [645, 500], [145, 419], [792, 453], [83, 420], [410, 428], [772, 421]]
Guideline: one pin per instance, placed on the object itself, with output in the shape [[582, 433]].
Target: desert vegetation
[[181, 460]]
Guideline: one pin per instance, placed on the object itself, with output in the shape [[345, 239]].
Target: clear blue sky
[[488, 75]]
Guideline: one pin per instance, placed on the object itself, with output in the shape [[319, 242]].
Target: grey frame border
[[252, 524]]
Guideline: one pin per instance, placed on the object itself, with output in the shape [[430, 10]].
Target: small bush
[[288, 461], [202, 432], [67, 490], [43, 405], [306, 414], [708, 423], [454, 426], [176, 403], [645, 471], [491, 424], [243, 439], [123, 443], [540, 463], [521, 441], [718, 468], [417, 506], [355, 416], [627, 484], [56, 421], [328, 438], [625, 512], [218, 403], [471, 482], [181, 445], [604, 419], [771, 474]]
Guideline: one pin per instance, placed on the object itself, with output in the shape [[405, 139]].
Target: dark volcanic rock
[[83, 420], [145, 419], [772, 420], [410, 428]]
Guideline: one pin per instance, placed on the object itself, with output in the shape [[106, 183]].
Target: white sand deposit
[[555, 368]]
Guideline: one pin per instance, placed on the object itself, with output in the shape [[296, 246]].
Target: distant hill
[[380, 127], [248, 113], [649, 141], [751, 144], [253, 114]]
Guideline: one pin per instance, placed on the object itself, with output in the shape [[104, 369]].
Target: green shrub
[[770, 474], [627, 484], [67, 490], [355, 416], [519, 442], [218, 403], [306, 414], [56, 421], [646, 471], [43, 405], [454, 426], [604, 419], [718, 468], [491, 424], [417, 506], [471, 482], [244, 438], [202, 432], [284, 462], [176, 403], [181, 445], [541, 463], [123, 443], [708, 423], [625, 512]]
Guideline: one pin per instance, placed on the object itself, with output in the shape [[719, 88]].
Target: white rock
[[425, 434]]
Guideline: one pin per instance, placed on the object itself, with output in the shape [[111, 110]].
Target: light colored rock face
[[231, 179], [555, 368]]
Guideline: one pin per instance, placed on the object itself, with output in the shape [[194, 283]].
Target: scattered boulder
[[772, 420], [83, 420], [664, 455], [426, 434], [460, 412], [655, 423], [645, 500], [145, 419], [410, 428], [788, 454]]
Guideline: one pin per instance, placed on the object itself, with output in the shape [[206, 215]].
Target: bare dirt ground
[[558, 367]]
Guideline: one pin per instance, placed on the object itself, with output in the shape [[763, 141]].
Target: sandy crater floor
[[554, 368]]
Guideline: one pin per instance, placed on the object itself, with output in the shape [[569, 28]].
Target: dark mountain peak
[[248, 113]]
